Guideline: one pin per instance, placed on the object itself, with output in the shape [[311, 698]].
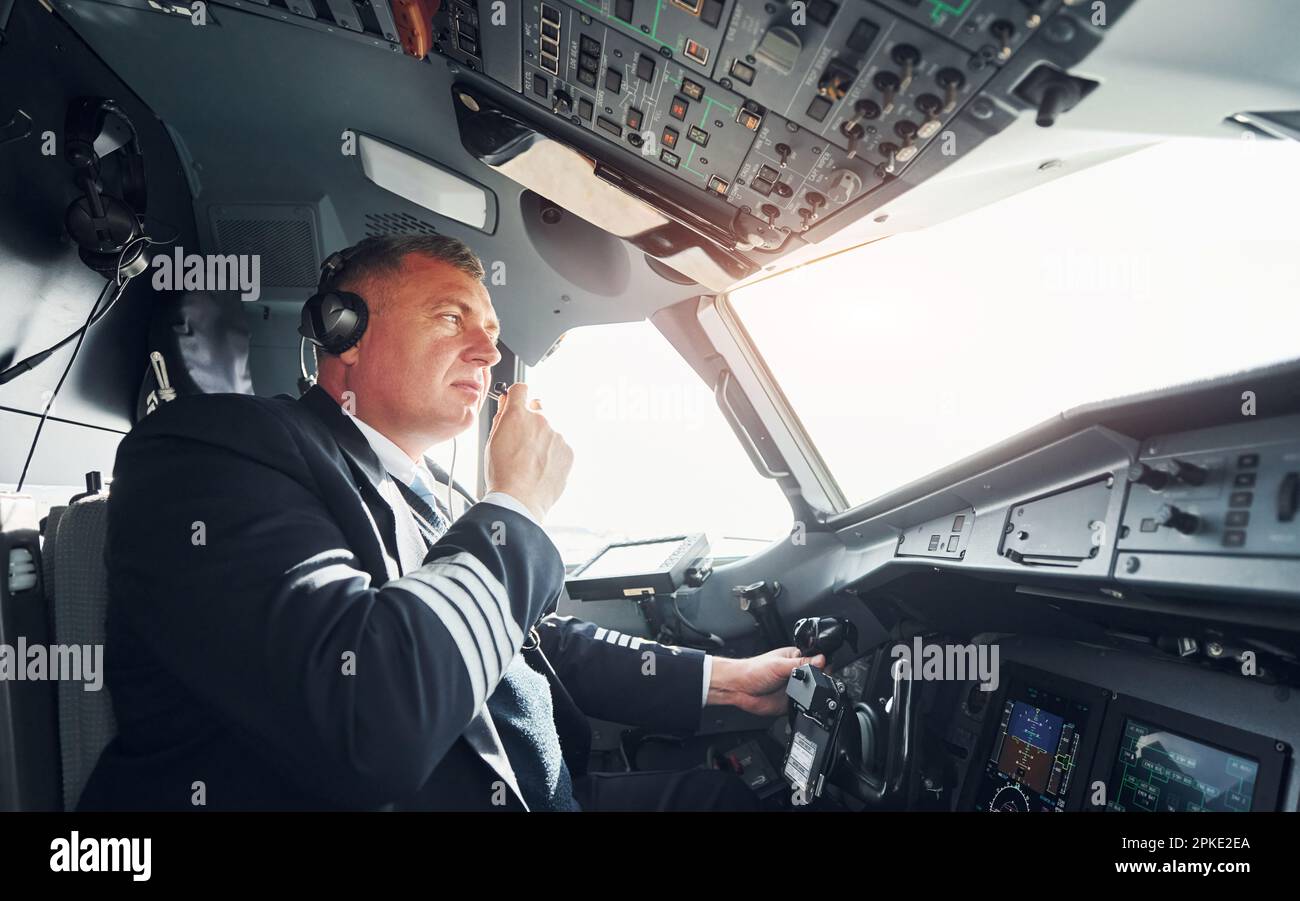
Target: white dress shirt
[[405, 470]]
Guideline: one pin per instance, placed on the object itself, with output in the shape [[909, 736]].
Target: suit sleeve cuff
[[501, 499], [708, 672]]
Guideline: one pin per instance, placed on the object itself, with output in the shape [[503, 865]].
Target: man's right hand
[[526, 458]]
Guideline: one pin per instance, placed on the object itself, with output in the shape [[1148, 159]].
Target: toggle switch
[[907, 131], [816, 201], [929, 106], [951, 80], [1155, 479], [784, 153], [890, 153], [906, 57], [853, 130], [1179, 520], [1189, 473], [1003, 32], [887, 84]]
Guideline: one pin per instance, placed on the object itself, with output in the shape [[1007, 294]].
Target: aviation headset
[[334, 320], [107, 228]]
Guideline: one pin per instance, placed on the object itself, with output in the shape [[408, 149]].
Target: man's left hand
[[757, 684]]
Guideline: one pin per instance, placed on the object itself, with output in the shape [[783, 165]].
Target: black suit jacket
[[264, 652]]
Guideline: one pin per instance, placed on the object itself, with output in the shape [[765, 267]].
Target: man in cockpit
[[296, 620]]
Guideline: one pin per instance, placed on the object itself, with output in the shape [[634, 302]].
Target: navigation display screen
[[1159, 770], [1035, 753], [631, 559]]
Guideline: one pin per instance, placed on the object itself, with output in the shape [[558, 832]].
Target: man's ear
[[350, 356]]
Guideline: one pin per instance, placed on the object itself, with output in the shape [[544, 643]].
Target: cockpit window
[[652, 454], [1177, 263]]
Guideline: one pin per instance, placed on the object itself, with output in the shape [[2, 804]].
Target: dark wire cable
[[81, 336], [28, 363]]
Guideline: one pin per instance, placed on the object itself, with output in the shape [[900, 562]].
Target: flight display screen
[[1035, 753], [1159, 770], [631, 559]]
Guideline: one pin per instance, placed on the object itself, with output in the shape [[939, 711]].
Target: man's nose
[[484, 349]]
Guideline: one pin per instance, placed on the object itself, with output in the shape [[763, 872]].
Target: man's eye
[[453, 316]]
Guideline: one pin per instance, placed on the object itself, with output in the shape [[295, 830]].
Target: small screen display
[[1156, 769], [1035, 753], [630, 560]]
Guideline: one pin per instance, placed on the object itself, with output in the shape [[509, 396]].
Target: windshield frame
[[817, 484]]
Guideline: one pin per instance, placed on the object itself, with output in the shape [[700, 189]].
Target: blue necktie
[[428, 507]]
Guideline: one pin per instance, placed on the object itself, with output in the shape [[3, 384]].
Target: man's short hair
[[382, 255]]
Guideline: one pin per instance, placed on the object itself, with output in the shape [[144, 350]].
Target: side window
[[653, 455]]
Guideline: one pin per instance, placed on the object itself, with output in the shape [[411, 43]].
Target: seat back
[[29, 737], [86, 721]]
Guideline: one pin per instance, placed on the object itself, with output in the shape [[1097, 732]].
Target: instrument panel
[[1209, 509], [789, 112], [1053, 744]]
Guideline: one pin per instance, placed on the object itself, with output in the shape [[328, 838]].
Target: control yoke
[[836, 741]]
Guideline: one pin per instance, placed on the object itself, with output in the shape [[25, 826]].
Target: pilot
[[296, 621]]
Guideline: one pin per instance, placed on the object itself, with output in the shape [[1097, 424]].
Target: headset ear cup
[[334, 321], [110, 233]]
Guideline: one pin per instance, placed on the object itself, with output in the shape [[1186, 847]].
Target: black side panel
[[45, 290]]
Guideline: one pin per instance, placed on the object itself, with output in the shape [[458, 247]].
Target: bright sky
[[1177, 263]]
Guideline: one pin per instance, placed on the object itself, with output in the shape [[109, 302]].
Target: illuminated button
[[589, 45], [958, 522], [1248, 461], [669, 137], [742, 71], [696, 51], [749, 119], [697, 135], [670, 158], [634, 118], [585, 109], [1234, 538], [1238, 519], [613, 80], [1244, 480], [589, 63], [952, 543], [645, 67], [587, 77], [1240, 499], [691, 89], [678, 108], [719, 185], [610, 126], [934, 543]]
